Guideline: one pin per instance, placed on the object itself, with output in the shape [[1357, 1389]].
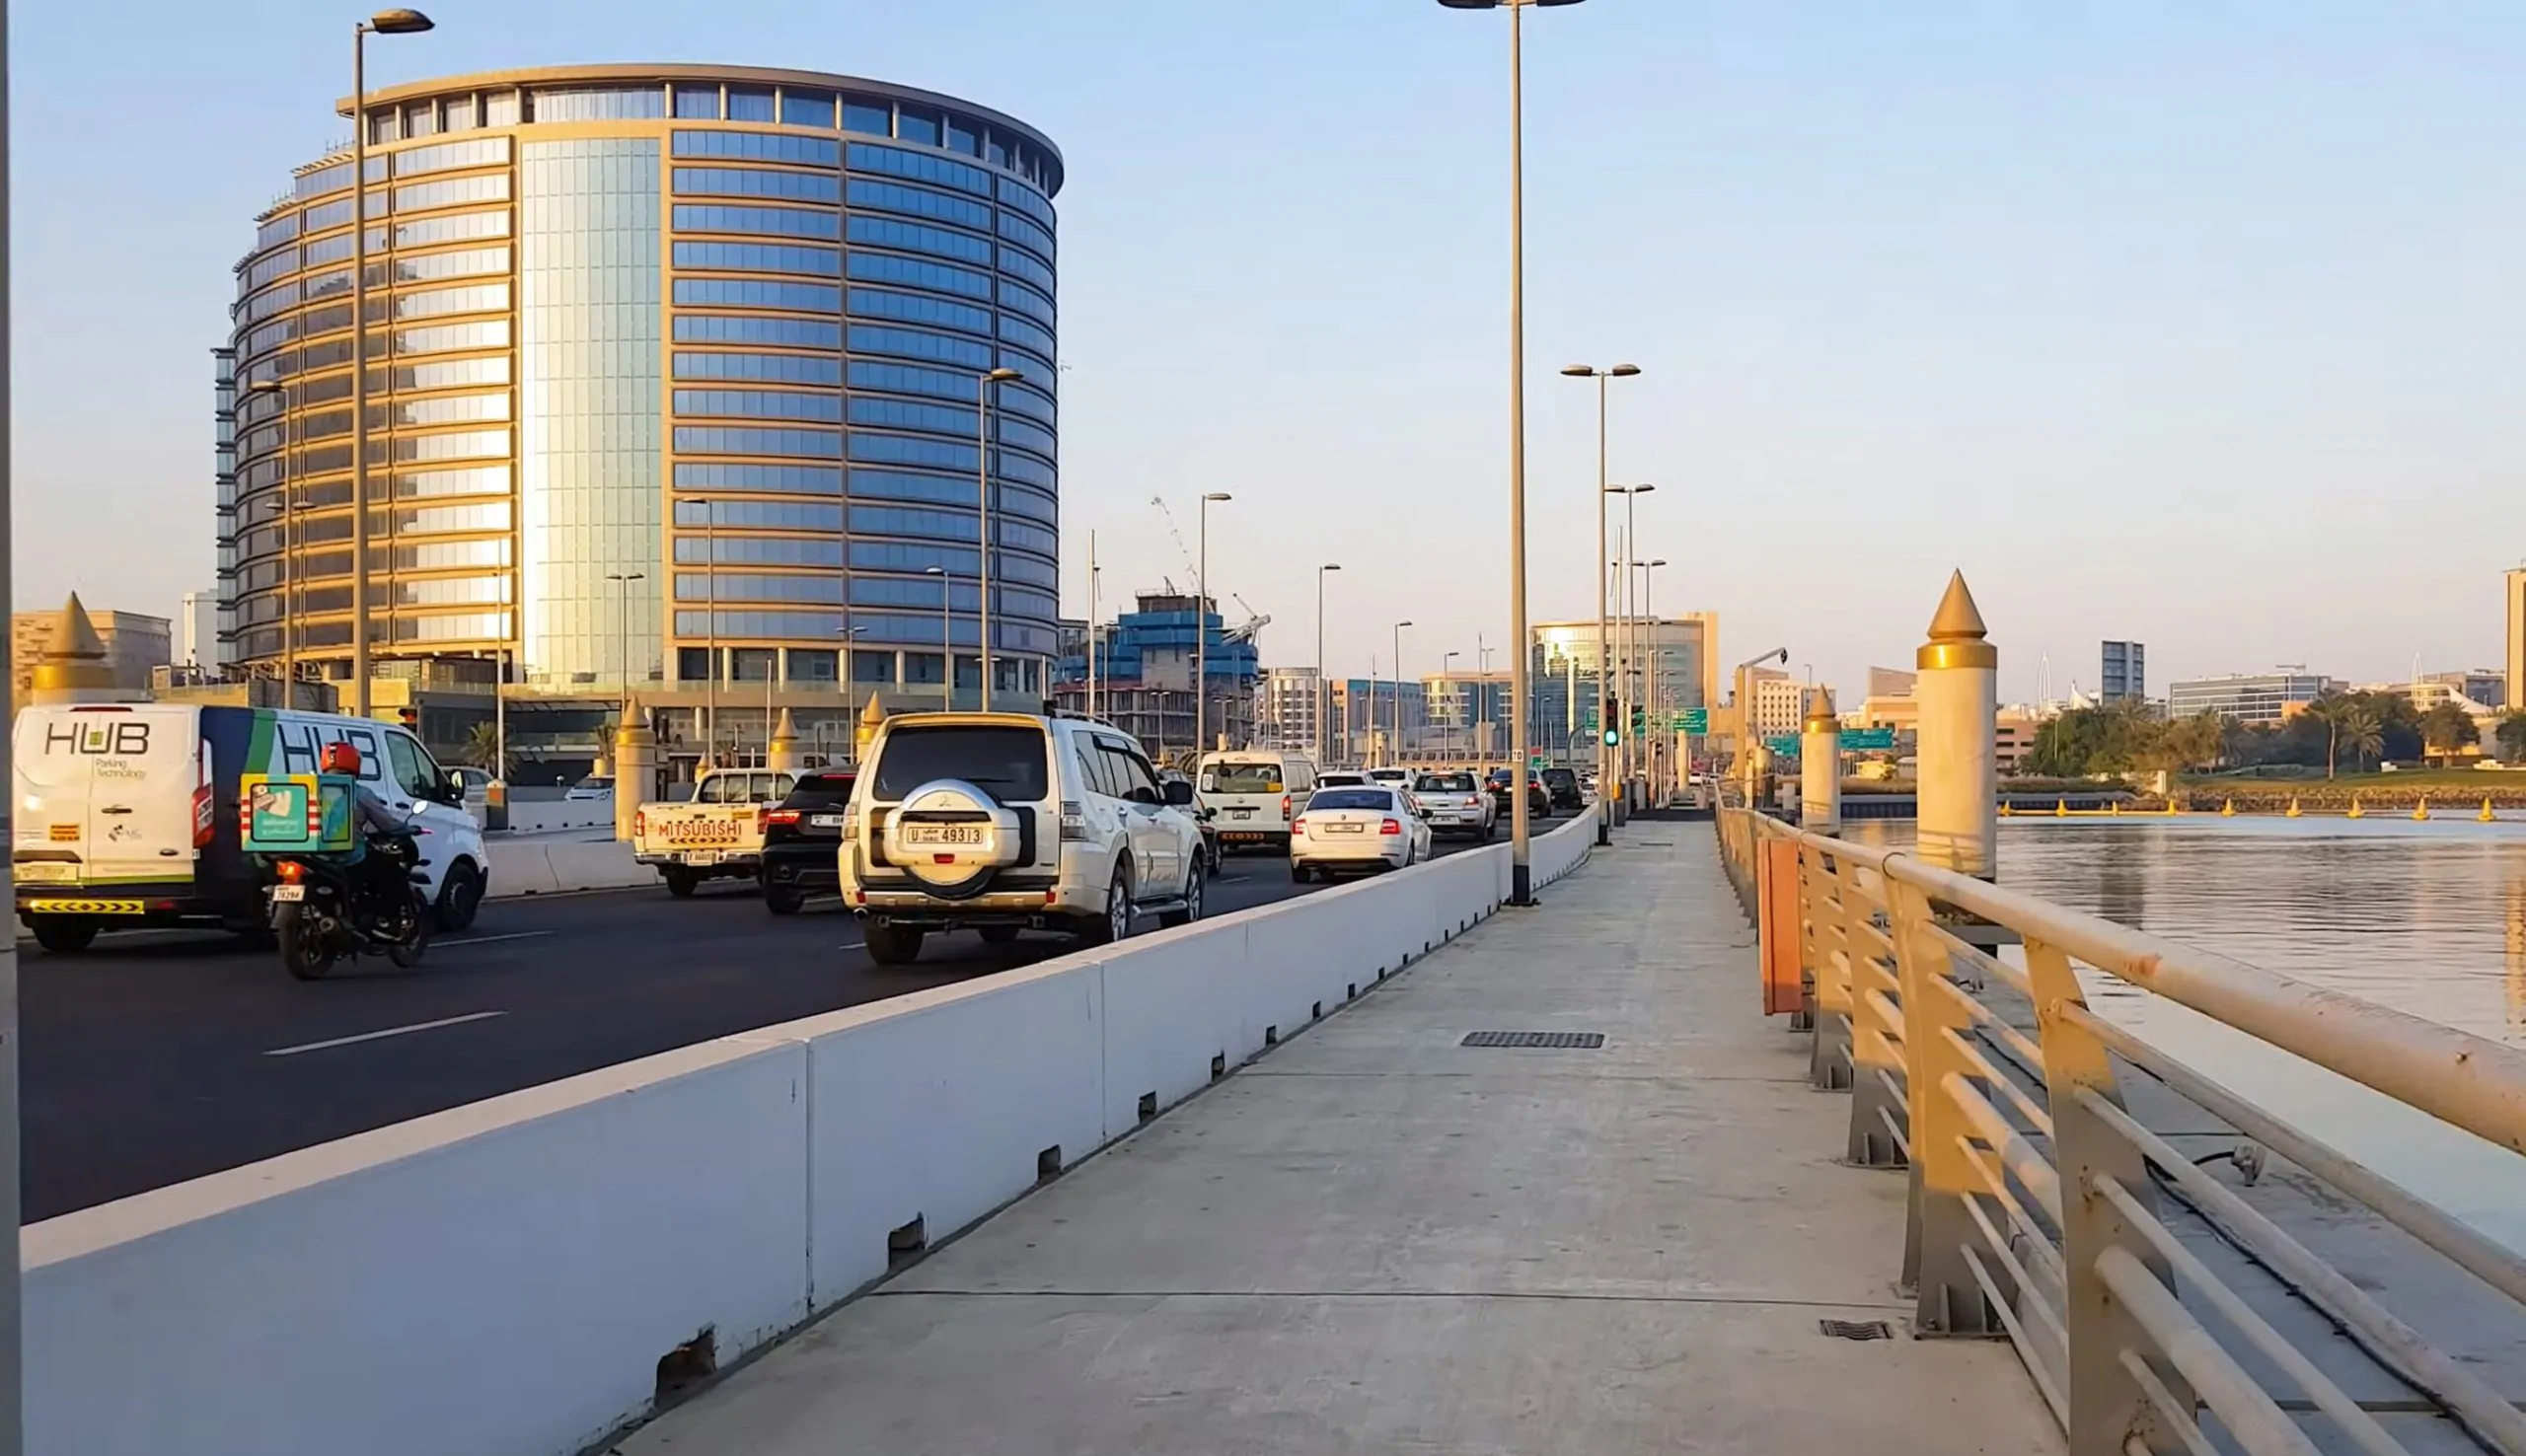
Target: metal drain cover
[[1581, 1041], [1856, 1328]]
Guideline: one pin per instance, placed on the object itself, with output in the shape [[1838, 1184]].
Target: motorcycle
[[330, 908]]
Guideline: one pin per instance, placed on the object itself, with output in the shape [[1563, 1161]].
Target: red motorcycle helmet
[[340, 757]]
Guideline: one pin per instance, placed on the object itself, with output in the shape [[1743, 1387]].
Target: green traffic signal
[[1613, 739]]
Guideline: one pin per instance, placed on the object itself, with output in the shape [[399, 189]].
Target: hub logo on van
[[125, 738]]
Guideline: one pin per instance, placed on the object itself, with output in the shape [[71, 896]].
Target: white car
[[1397, 780], [1251, 794], [1009, 822], [1456, 803], [1370, 828], [594, 786], [1345, 779]]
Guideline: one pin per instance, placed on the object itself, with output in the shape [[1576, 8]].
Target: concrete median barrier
[[524, 1276]]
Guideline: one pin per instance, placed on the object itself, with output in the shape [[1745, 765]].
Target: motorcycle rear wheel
[[305, 951], [407, 950]]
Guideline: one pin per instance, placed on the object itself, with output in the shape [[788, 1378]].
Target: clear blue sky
[[2188, 321]]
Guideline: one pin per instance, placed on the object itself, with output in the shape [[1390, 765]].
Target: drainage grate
[[1856, 1328], [1582, 1040]]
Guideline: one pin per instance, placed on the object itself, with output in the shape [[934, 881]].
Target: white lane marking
[[392, 1031], [851, 945], [492, 939]]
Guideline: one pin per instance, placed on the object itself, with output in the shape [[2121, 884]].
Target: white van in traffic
[[126, 813], [1252, 794]]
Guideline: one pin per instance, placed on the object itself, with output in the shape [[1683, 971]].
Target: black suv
[[803, 841], [1563, 785], [1539, 798]]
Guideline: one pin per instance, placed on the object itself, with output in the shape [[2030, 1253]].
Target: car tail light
[[1390, 828], [1284, 806], [782, 815], [1297, 825], [291, 871], [639, 823], [1073, 822], [762, 816]]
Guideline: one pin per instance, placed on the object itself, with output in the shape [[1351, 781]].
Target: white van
[[126, 814], [1252, 794]]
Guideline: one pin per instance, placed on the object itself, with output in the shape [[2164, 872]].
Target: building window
[[599, 103], [916, 124], [758, 257], [963, 136], [500, 108], [867, 116], [786, 479], [756, 293], [759, 146], [778, 222], [696, 103], [755, 181], [807, 109], [747, 105]]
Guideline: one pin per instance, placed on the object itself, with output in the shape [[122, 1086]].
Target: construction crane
[[1255, 620]]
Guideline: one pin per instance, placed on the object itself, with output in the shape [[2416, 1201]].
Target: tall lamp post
[[623, 617], [384, 23], [1605, 805], [1323, 688], [981, 481], [1202, 631], [1397, 752], [1623, 646], [1520, 875], [850, 637], [1443, 659], [947, 638], [1652, 730]]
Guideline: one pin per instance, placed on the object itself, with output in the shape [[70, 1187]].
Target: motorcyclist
[[373, 820]]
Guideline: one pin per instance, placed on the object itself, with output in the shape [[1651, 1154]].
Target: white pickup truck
[[717, 833]]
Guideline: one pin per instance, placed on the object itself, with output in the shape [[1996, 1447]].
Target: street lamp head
[[401, 23], [1331, 566], [1004, 373], [1498, 4], [1579, 371], [265, 387], [934, 571], [1661, 561], [1623, 371], [1400, 625], [1219, 496]]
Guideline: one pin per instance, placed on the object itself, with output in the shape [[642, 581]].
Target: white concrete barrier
[[496, 1278], [550, 867], [503, 1279]]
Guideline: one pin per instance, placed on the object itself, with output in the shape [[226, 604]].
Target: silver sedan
[[1361, 829]]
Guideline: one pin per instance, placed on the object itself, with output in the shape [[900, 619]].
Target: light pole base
[[1521, 888], [1604, 826]]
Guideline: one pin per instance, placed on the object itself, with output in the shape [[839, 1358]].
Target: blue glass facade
[[707, 371]]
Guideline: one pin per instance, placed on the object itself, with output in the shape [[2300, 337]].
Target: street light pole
[[1399, 687], [1323, 688], [1202, 631], [1520, 875], [1604, 753], [1443, 659], [626, 578], [384, 23], [982, 473], [1655, 731], [947, 638]]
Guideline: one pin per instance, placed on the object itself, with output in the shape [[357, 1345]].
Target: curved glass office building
[[674, 374]]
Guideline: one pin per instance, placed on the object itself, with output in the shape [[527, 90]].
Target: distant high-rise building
[[2517, 637], [198, 642], [2125, 671]]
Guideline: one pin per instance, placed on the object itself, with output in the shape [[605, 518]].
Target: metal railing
[[2036, 1197]]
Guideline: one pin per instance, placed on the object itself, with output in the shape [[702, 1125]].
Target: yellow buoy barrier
[[2486, 816], [2114, 806], [2421, 809], [2060, 808], [2171, 803], [2004, 808], [2228, 809], [2355, 811], [2293, 809]]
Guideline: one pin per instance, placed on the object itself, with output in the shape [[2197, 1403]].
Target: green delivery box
[[295, 813]]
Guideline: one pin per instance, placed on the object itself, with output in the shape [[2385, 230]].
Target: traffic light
[[1612, 739]]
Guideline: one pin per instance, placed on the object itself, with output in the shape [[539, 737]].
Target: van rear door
[[122, 787]]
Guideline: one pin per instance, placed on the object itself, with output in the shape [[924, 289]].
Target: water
[[2426, 917]]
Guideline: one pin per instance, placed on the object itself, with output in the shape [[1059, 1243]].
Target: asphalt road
[[160, 1057]]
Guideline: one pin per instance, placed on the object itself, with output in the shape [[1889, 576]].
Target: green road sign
[[1863, 740], [1783, 745], [1692, 720]]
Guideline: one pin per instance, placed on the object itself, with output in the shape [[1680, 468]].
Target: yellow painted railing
[[2036, 1195]]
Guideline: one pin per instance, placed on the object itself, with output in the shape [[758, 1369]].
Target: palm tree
[[481, 750], [2330, 710], [2362, 729]]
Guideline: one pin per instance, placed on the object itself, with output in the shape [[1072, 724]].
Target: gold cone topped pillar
[[73, 666], [1959, 700]]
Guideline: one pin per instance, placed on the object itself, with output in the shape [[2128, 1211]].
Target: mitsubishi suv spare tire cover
[[952, 836]]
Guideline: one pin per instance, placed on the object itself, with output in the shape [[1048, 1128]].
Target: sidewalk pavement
[[1379, 1240]]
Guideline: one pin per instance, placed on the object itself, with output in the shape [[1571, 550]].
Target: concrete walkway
[[1378, 1240]]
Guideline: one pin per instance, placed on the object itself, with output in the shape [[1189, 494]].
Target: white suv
[[1006, 822]]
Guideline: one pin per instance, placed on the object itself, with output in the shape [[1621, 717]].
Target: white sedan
[[1367, 828]]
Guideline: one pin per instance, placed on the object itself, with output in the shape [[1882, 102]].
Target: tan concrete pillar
[[1959, 698], [1820, 769], [636, 776], [782, 753]]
